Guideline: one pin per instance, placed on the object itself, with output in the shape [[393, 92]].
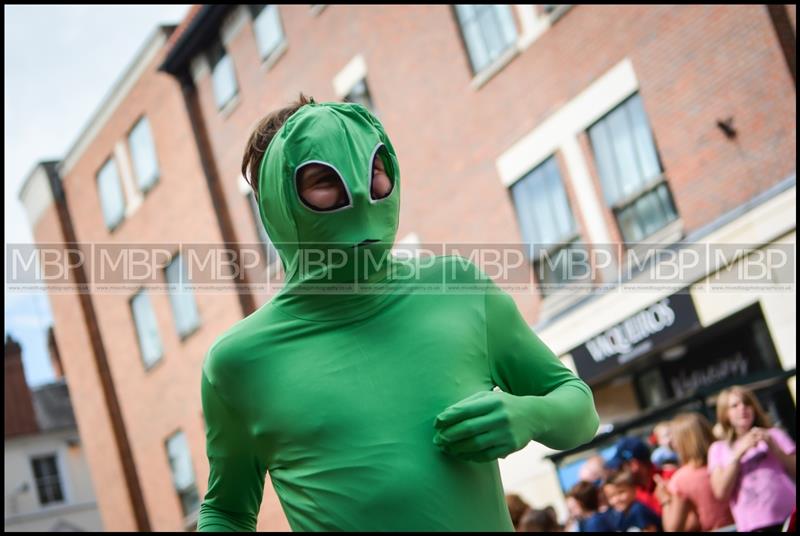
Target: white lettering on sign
[[621, 338], [686, 382]]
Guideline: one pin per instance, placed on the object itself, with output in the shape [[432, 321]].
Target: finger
[[475, 444], [489, 455], [465, 429], [474, 406]]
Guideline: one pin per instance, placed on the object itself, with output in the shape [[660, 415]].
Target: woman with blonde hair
[[689, 500], [754, 465]]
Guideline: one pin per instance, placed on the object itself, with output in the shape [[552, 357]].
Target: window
[[48, 481], [634, 185], [360, 94], [488, 31], [146, 328], [267, 27], [143, 153], [112, 200], [269, 249], [223, 77], [548, 226], [184, 307], [180, 463]]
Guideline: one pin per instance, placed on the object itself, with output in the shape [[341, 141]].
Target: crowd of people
[[739, 474]]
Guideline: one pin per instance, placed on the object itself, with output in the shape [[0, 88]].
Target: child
[[664, 457], [688, 494], [583, 502], [626, 512]]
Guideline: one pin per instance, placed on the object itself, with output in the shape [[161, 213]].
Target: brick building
[[622, 126]]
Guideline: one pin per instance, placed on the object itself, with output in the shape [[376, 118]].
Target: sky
[[60, 62]]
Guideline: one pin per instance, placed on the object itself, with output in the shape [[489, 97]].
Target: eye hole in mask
[[381, 183], [321, 188]]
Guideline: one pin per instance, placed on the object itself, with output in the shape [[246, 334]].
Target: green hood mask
[[329, 245]]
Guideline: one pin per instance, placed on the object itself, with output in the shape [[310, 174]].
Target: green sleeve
[[236, 478], [559, 406]]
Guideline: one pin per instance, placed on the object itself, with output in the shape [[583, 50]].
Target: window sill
[[49, 511], [190, 521], [148, 369], [489, 72], [115, 227], [666, 236], [185, 336], [146, 191], [228, 107], [316, 9], [559, 12], [268, 62], [670, 234]]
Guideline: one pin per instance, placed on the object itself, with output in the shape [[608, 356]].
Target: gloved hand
[[486, 426]]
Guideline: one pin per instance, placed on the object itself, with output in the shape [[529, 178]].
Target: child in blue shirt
[[625, 512]]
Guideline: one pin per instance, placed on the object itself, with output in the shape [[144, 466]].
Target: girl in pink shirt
[[689, 501], [754, 466]]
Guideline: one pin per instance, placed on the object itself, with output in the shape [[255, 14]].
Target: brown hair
[[760, 417], [620, 477], [516, 508], [536, 520], [263, 133], [586, 494], [691, 437]]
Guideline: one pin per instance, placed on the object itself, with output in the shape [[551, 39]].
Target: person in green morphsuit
[[381, 406]]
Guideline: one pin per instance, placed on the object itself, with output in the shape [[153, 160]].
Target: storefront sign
[[686, 378], [635, 336]]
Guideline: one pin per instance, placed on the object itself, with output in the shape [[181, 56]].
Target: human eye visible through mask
[[381, 184], [321, 188]]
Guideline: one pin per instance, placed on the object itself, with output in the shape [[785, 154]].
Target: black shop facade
[[668, 356]]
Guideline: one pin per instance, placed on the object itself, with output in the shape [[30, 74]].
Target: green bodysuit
[[373, 402]]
